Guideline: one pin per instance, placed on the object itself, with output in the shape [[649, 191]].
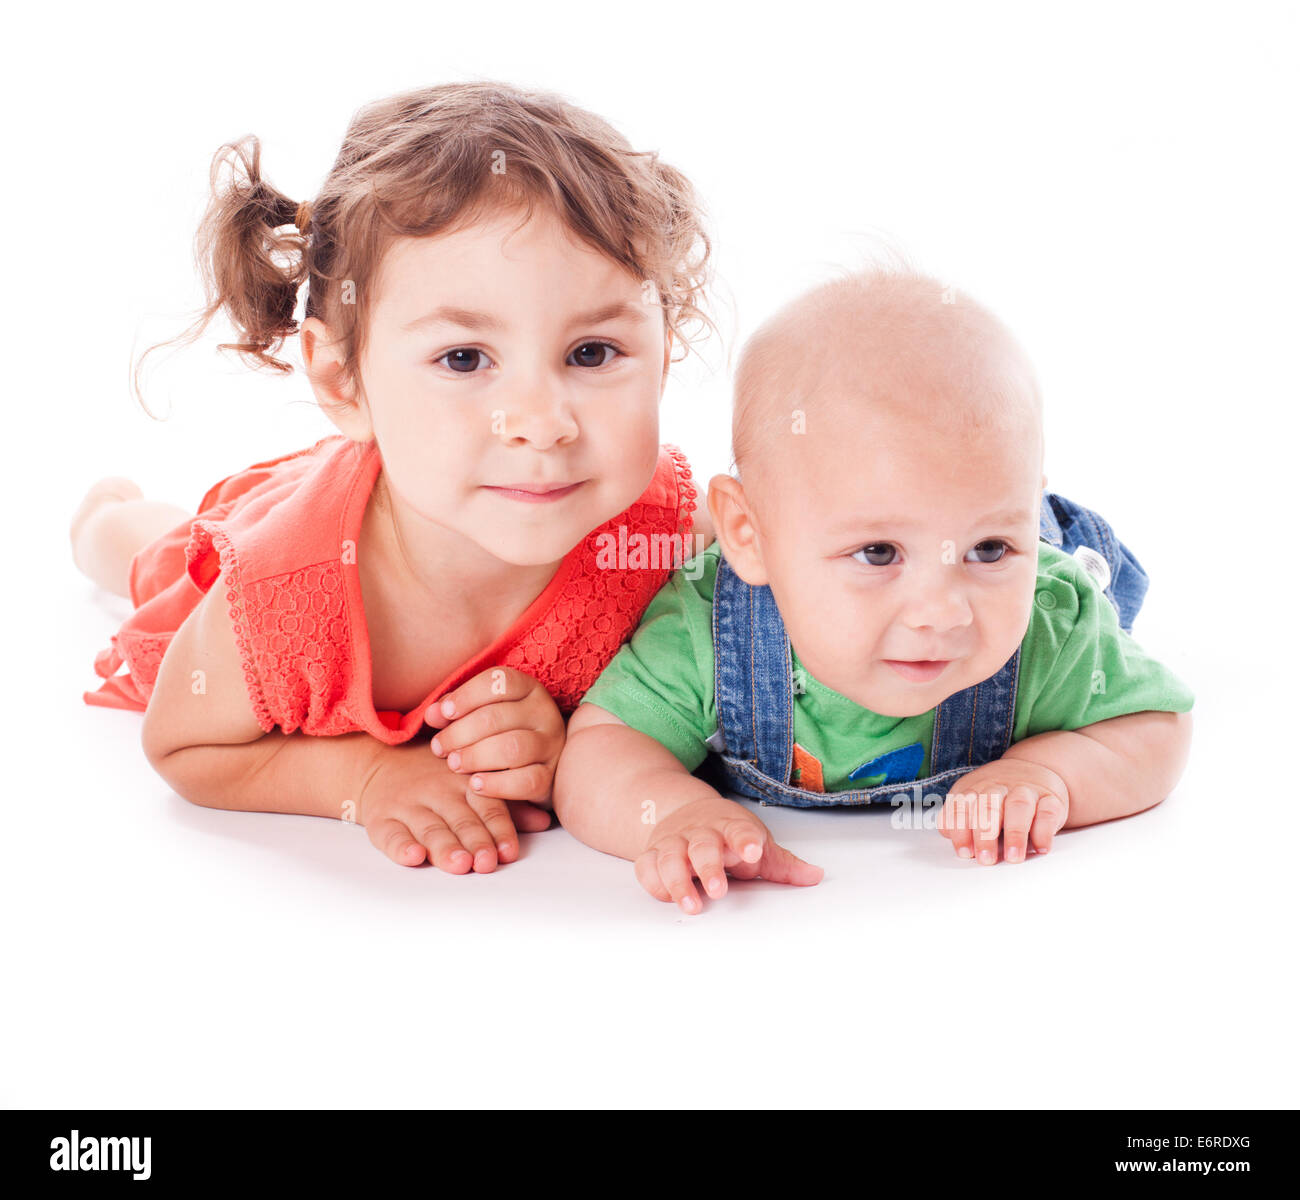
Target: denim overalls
[[754, 742]]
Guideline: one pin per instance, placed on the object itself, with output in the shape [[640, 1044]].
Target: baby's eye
[[878, 554], [990, 551], [594, 350], [463, 360]]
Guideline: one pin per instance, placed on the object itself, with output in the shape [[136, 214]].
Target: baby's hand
[[709, 838], [1025, 801], [503, 730]]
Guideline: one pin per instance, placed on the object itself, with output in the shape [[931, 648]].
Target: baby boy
[[877, 615]]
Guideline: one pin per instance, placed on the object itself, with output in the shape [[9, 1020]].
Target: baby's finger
[[489, 686], [780, 866], [531, 783], [495, 815], [646, 868], [988, 823], [705, 851], [445, 849], [501, 752], [958, 821], [1017, 816], [1048, 818], [675, 871], [745, 839], [392, 837]]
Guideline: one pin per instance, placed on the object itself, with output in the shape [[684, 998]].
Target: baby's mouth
[[922, 670]]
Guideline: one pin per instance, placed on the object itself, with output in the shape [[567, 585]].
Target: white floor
[[1140, 239], [157, 953]]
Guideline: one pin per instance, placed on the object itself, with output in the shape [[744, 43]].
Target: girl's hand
[[712, 838], [1024, 801], [502, 730], [411, 804]]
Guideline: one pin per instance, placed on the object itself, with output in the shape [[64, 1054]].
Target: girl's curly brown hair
[[425, 162]]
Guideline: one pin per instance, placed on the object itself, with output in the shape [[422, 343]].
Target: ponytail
[[251, 265]]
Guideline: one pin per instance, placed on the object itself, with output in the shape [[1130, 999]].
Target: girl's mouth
[[534, 493]]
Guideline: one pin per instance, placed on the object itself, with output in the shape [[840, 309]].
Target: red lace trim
[[202, 535]]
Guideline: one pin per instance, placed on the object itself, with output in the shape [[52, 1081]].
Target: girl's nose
[[542, 418]]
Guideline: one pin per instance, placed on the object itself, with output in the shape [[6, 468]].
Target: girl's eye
[[878, 554], [463, 359], [592, 354], [989, 551]]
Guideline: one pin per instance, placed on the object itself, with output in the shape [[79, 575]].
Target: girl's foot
[[112, 490]]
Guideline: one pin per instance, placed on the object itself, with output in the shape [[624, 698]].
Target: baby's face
[[502, 364], [903, 559]]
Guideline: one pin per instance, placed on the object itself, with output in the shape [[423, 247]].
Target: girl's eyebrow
[[469, 318]]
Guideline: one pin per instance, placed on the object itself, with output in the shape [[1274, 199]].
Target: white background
[[1117, 181]]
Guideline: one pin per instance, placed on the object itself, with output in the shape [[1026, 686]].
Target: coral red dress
[[281, 536]]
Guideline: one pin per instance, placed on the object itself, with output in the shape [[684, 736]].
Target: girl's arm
[[201, 736]]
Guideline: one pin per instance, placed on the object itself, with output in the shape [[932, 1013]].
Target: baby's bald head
[[883, 344]]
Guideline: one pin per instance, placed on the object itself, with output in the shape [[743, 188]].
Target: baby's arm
[[620, 791], [1063, 779], [614, 783], [1114, 768]]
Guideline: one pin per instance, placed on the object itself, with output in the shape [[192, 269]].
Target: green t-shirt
[[1077, 667]]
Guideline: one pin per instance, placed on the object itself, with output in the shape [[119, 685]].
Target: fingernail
[[437, 746], [1013, 854], [987, 856], [1043, 849], [430, 713], [965, 852], [448, 708], [453, 760], [503, 847], [476, 782], [688, 904], [460, 856]]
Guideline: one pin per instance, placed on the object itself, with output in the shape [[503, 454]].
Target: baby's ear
[[734, 526]]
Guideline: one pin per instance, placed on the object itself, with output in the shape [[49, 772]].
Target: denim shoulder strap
[[973, 727], [752, 685]]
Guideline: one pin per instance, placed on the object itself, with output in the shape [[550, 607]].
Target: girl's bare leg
[[111, 524]]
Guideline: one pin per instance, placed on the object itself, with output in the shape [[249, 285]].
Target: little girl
[[495, 280]]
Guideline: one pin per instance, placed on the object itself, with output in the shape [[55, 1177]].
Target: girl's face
[[512, 380]]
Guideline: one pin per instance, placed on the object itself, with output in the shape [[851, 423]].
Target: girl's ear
[[334, 392], [733, 523]]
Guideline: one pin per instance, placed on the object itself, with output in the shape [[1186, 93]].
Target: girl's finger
[[528, 818], [1017, 816], [495, 815], [445, 851], [396, 840], [489, 686], [705, 852], [453, 834], [502, 752], [480, 723], [531, 783]]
